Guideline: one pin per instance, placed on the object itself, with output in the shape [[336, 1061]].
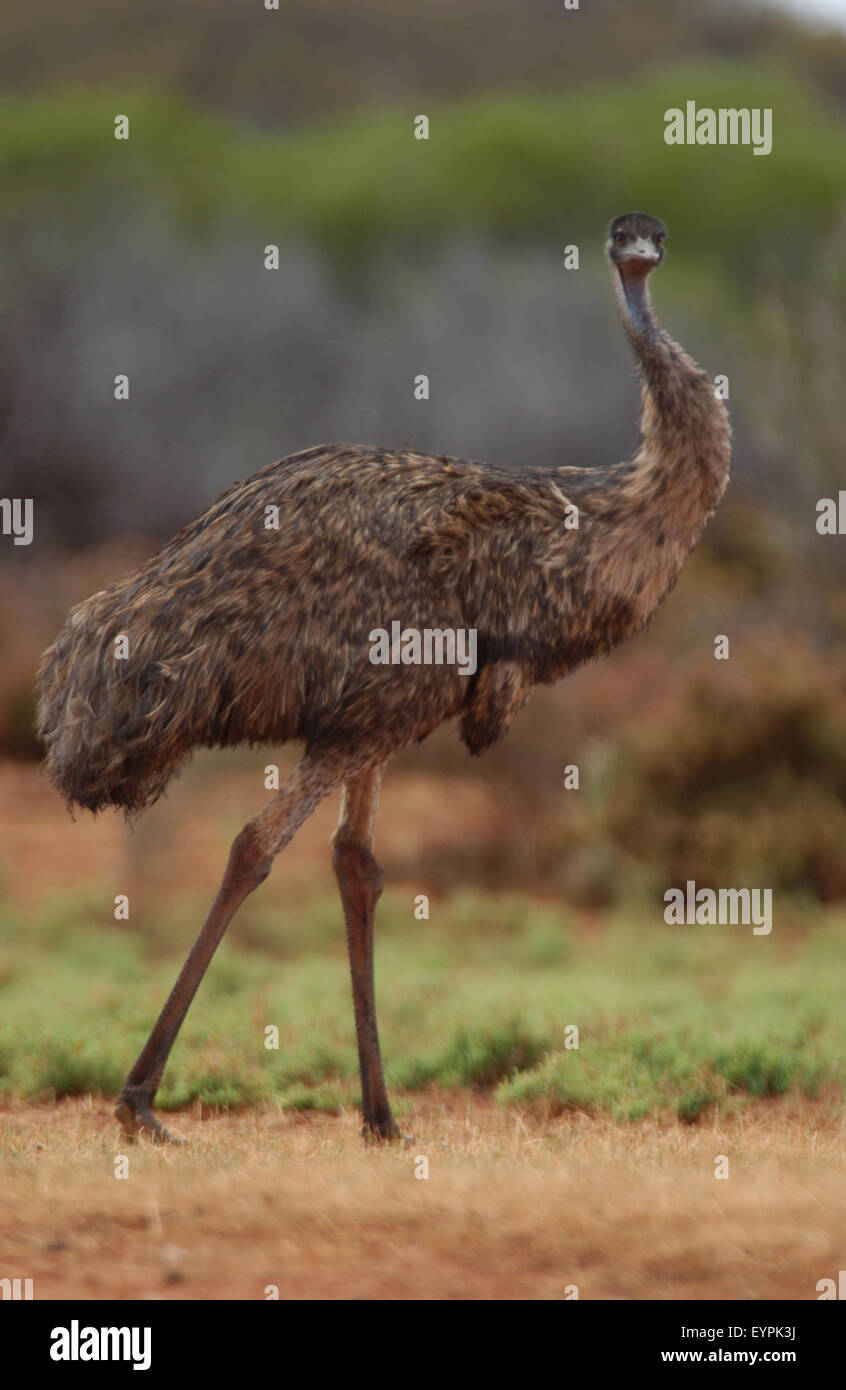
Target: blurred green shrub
[[506, 165]]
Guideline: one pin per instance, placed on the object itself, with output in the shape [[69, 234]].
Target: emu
[[239, 631]]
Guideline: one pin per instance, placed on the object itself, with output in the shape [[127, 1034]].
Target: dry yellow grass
[[511, 1209]]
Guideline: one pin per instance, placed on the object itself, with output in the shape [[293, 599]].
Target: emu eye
[[620, 238]]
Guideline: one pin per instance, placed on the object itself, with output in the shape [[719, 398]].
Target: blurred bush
[[504, 165], [730, 773], [744, 780]]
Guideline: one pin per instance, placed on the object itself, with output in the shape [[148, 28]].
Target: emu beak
[[642, 250]]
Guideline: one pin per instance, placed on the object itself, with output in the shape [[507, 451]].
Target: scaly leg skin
[[360, 883], [249, 864]]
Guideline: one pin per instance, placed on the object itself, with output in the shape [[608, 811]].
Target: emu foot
[[383, 1132], [136, 1117]]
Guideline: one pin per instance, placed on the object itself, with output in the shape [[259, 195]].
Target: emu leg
[[360, 882], [249, 864]]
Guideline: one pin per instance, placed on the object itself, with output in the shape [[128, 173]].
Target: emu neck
[[681, 420], [668, 375], [639, 319]]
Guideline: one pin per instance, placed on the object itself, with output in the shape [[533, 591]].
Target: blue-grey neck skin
[[672, 380], [638, 317]]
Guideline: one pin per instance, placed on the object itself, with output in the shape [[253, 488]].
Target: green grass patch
[[481, 996], [629, 1074]]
